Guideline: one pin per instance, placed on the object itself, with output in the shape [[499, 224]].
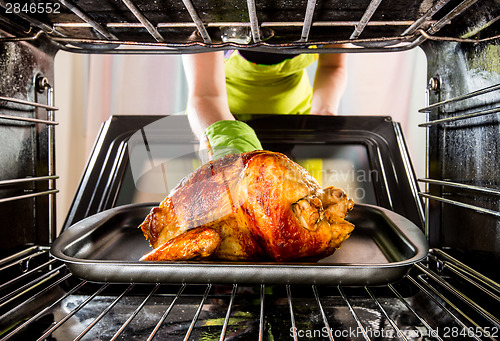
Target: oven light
[[236, 34]]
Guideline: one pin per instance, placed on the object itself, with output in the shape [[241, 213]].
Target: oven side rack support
[[42, 85], [456, 110]]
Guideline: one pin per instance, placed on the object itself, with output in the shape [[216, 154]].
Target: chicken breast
[[258, 205]]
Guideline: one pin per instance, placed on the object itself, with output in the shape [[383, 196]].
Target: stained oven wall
[[23, 146], [465, 150]]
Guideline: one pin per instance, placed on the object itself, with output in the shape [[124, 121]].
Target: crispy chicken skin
[[258, 205]]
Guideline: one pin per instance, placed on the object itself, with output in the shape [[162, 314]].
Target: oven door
[[139, 159]]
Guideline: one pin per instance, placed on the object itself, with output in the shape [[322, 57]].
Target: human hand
[[228, 137]]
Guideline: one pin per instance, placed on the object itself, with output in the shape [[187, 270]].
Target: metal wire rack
[[451, 112], [50, 177], [139, 27], [426, 304]]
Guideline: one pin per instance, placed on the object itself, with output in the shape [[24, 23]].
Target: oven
[[453, 293]]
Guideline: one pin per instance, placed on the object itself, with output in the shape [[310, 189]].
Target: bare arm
[[207, 96], [329, 84]]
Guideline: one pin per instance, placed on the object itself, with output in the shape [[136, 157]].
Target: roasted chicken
[[258, 205]]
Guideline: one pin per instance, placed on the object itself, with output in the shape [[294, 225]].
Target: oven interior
[[453, 294]]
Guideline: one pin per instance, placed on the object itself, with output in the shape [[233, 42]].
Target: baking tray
[[106, 247]]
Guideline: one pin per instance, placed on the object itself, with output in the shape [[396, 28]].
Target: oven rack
[[82, 33], [481, 103], [426, 303], [42, 84]]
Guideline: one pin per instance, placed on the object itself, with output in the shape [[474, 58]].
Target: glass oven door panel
[[150, 179]]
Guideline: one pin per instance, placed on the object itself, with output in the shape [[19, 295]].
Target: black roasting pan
[[107, 246]]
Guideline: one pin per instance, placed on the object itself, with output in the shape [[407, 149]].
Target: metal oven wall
[[463, 148], [24, 146]]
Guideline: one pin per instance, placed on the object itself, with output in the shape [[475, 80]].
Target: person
[[222, 84]]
